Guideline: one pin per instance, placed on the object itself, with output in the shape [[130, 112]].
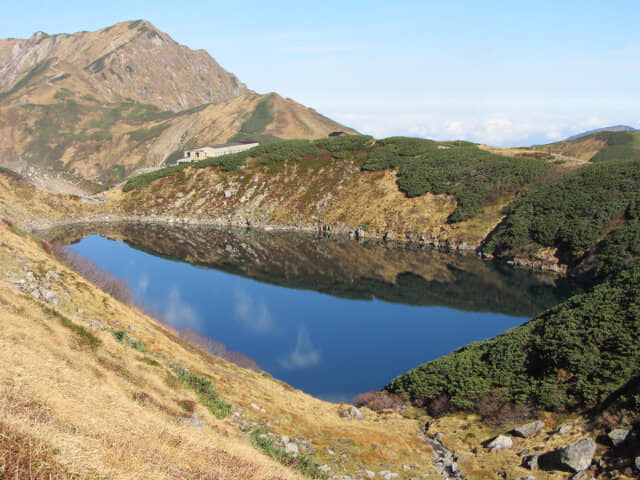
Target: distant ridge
[[614, 128]]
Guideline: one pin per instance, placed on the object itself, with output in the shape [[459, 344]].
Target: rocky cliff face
[[127, 61]]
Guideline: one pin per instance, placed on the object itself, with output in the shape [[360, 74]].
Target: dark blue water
[[330, 347]]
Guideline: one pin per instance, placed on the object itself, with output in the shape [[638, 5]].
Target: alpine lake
[[330, 316]]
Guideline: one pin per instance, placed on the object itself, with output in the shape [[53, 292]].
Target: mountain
[[129, 61], [614, 128], [99, 105]]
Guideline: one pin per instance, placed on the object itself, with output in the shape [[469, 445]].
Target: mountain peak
[[130, 60]]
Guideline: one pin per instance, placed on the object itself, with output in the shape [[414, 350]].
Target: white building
[[212, 151]]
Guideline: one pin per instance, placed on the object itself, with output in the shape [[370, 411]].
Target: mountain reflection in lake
[[387, 309]]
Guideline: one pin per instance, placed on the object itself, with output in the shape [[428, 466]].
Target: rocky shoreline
[[390, 239]]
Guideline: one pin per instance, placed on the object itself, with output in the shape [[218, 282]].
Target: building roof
[[232, 144]]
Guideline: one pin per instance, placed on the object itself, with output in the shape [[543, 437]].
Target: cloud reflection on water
[[304, 354]]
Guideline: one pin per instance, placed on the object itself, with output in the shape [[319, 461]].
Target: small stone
[[618, 436], [284, 439], [531, 462], [330, 452], [438, 436], [564, 429], [529, 429], [325, 468], [389, 236], [530, 477], [49, 296], [578, 455], [524, 453], [292, 448], [352, 412], [194, 421], [578, 476], [501, 442], [369, 473]]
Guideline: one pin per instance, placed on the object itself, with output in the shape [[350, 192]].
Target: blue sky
[[500, 72]]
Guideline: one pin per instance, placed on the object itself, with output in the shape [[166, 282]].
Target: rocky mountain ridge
[[124, 62]]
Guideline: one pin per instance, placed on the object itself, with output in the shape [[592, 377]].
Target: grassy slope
[[107, 141], [346, 182], [102, 408]]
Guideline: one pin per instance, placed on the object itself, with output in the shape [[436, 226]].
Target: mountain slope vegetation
[[477, 179], [100, 105], [578, 354]]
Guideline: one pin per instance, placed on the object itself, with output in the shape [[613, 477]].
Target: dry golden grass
[[112, 411]]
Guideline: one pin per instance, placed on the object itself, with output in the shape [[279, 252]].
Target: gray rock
[[389, 237], [529, 429], [636, 462], [578, 455], [501, 442], [194, 421], [52, 276], [360, 234], [524, 453], [284, 439], [618, 436], [530, 477], [324, 468], [531, 462], [352, 412], [292, 448], [578, 476], [369, 473], [330, 452], [438, 436], [49, 296], [564, 429]]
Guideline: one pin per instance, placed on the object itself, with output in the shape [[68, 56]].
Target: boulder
[[564, 429], [578, 455], [529, 429], [292, 448], [618, 436], [194, 421], [501, 442], [49, 296], [352, 412]]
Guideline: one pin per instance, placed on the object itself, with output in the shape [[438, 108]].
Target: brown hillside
[[127, 61], [103, 104]]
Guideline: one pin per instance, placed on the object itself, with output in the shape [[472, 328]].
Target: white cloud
[[304, 353], [178, 313], [517, 127], [253, 314]]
